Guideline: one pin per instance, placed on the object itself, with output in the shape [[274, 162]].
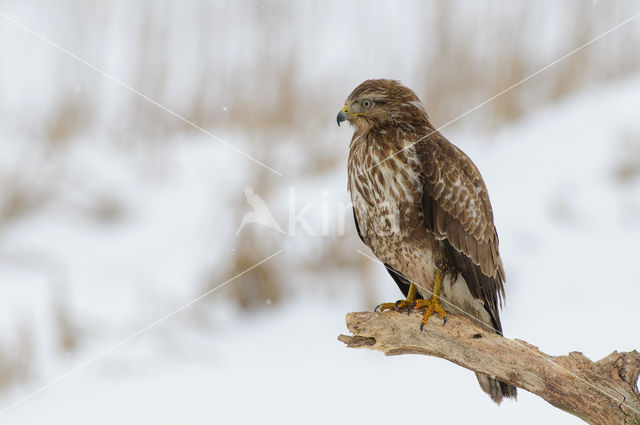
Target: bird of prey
[[421, 205]]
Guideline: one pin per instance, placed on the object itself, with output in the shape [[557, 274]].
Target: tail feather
[[497, 390]]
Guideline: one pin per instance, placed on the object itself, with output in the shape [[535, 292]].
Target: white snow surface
[[568, 236]]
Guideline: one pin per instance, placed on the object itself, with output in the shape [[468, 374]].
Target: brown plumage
[[421, 205]]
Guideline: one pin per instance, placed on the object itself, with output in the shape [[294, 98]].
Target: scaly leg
[[432, 304], [411, 299]]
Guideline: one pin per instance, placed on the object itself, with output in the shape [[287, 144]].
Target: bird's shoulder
[[451, 178]]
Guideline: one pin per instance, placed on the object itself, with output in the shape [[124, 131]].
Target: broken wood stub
[[601, 393]]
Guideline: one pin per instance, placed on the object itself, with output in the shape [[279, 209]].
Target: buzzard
[[421, 205]]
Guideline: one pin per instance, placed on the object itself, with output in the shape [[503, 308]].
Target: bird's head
[[376, 103]]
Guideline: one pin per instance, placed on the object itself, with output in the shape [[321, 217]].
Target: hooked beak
[[343, 115]]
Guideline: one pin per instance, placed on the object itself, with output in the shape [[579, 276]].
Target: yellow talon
[[432, 304], [400, 304], [385, 307], [411, 303]]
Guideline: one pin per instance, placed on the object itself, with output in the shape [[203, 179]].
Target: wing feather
[[457, 210]]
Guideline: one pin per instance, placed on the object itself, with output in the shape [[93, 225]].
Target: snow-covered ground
[[568, 230]]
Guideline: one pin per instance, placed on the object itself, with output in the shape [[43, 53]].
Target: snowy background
[[120, 300]]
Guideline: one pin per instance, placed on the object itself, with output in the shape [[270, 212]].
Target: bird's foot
[[432, 304], [397, 306]]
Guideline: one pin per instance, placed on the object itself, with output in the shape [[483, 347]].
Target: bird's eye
[[366, 103]]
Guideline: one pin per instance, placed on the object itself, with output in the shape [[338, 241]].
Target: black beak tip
[[341, 117]]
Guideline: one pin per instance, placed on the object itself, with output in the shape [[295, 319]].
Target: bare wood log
[[601, 393]]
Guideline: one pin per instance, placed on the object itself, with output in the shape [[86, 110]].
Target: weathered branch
[[602, 392]]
